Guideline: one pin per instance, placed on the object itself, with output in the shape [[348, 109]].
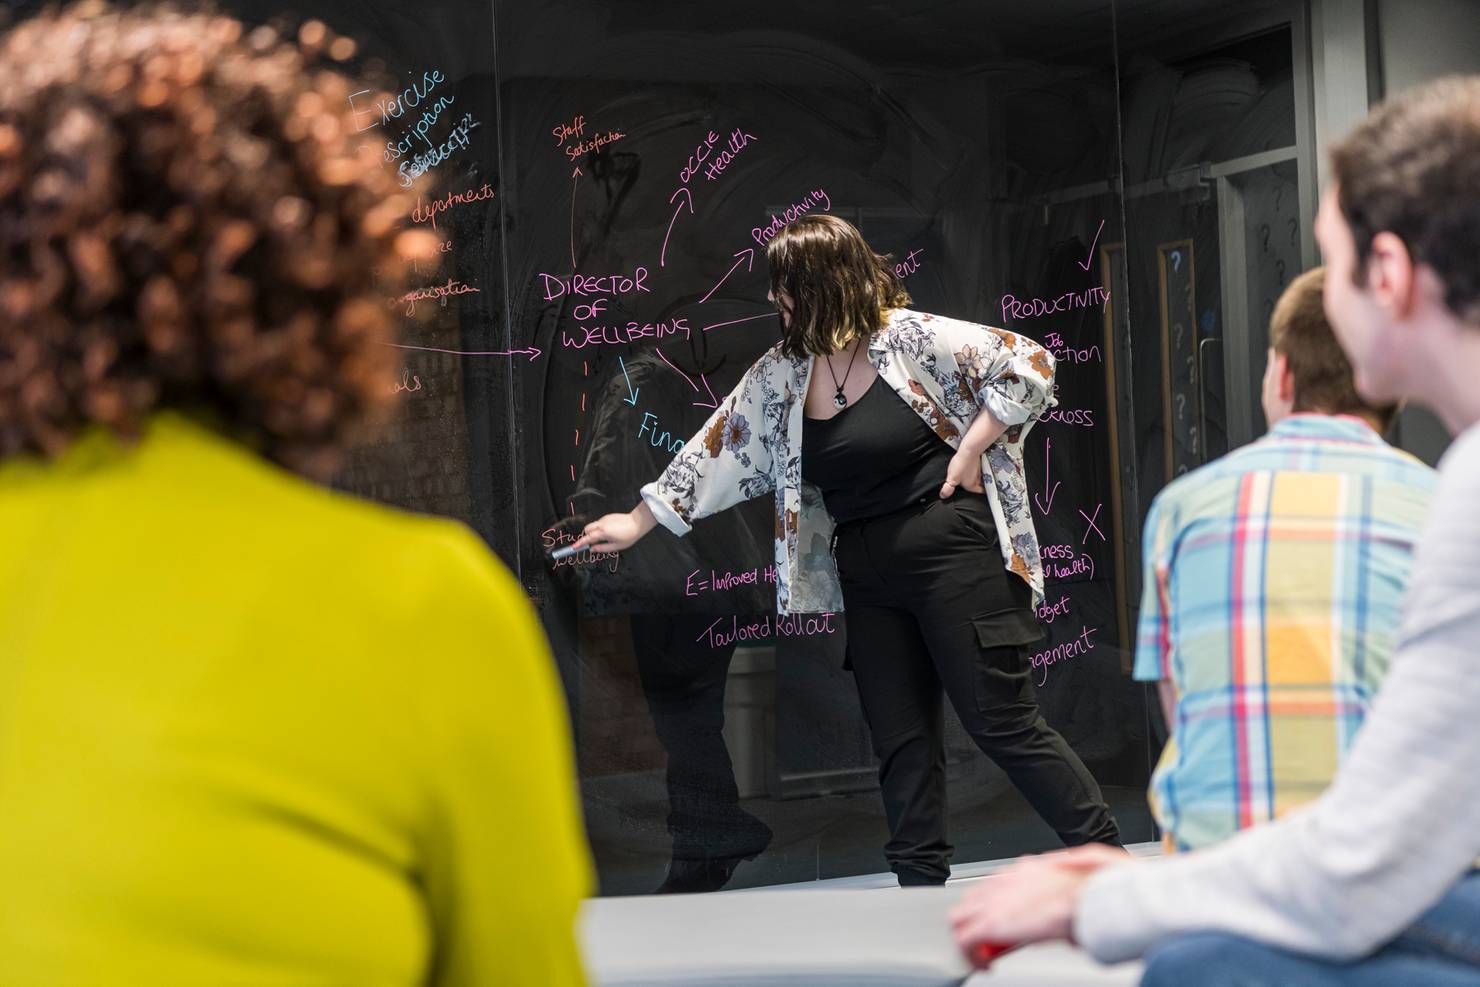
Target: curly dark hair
[[185, 223], [1412, 168]]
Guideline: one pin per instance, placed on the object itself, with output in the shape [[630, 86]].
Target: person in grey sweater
[[1374, 882]]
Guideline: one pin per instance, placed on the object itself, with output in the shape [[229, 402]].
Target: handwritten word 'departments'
[[428, 212], [795, 625], [433, 292], [808, 202], [601, 284], [1071, 649], [1034, 308]]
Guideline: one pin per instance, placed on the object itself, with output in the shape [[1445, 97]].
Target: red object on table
[[982, 954]]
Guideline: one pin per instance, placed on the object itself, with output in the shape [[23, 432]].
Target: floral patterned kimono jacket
[[945, 369]]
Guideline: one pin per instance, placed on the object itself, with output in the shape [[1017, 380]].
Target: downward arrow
[[713, 401], [749, 253], [631, 391], [1044, 508]]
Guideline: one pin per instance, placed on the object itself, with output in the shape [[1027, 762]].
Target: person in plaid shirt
[[1273, 583]]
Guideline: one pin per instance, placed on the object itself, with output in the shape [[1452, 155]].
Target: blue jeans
[[1440, 949]]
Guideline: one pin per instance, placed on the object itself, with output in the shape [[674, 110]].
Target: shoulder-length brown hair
[[840, 287]]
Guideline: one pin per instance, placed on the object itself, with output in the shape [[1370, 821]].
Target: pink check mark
[[1091, 259]]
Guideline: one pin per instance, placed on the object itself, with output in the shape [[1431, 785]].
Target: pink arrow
[[1042, 508], [735, 322], [713, 401], [575, 178], [749, 253], [532, 352], [663, 254]]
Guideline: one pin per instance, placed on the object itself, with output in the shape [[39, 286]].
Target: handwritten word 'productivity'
[[617, 335], [718, 582], [1067, 651], [439, 292], [810, 201], [795, 625], [554, 538], [1033, 308], [429, 211], [585, 285]]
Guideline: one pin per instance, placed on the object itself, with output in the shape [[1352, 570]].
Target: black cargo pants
[[931, 608]]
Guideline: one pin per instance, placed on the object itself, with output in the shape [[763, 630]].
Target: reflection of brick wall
[[613, 722], [420, 460]]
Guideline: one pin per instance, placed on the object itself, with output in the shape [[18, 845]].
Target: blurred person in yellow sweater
[[251, 731]]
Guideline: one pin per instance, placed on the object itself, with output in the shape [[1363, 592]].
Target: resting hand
[[965, 470], [1031, 901]]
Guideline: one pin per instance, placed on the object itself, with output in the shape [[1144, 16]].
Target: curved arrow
[[663, 255], [749, 253]]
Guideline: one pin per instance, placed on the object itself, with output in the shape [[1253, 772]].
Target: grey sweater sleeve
[[1397, 828]]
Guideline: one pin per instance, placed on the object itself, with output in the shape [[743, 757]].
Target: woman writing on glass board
[[891, 441]]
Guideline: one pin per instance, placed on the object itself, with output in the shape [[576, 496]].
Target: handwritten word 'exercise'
[[429, 211]]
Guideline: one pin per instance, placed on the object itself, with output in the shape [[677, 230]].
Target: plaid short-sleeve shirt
[[1272, 589]]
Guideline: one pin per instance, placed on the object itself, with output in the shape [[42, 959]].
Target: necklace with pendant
[[840, 399]]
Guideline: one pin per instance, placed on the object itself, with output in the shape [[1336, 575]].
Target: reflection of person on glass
[[683, 677], [898, 481]]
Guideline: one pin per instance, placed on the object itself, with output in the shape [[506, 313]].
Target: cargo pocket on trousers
[[1003, 640]]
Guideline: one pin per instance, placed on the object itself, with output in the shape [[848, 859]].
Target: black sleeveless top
[[873, 457]]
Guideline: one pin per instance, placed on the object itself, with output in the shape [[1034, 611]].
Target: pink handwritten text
[[808, 202], [1069, 650], [428, 212], [794, 625], [717, 582], [1033, 308], [439, 292]]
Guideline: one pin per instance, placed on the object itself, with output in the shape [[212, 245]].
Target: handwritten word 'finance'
[[1033, 308], [428, 212], [439, 292], [794, 625], [762, 234], [1067, 651], [601, 284], [394, 107], [719, 582], [552, 538], [619, 334], [657, 439], [1064, 561], [456, 141]]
